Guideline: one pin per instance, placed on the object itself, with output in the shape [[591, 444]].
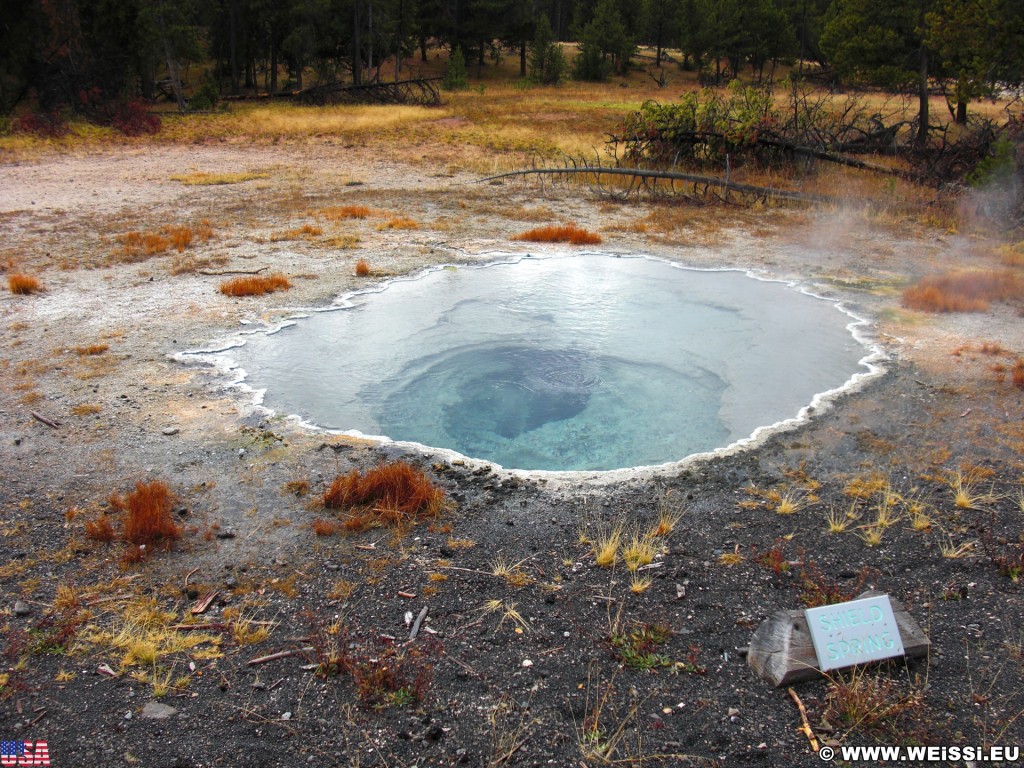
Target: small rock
[[527, 663], [226, 534], [157, 711], [171, 431], [22, 608], [230, 582], [286, 716]]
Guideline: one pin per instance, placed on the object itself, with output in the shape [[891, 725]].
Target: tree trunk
[[398, 38], [172, 66], [522, 59], [961, 112], [922, 93], [233, 44], [357, 53], [273, 62]]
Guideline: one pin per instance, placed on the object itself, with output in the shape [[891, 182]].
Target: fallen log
[[643, 174], [232, 272]]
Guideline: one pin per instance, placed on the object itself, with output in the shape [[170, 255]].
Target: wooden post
[[782, 652]]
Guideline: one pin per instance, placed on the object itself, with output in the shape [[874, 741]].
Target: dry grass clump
[[565, 233], [100, 529], [91, 350], [342, 212], [323, 527], [149, 521], [306, 231], [389, 494], [965, 291], [254, 286], [22, 284], [362, 268], [398, 222], [139, 245]]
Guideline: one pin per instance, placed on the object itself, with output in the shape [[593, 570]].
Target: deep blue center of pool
[[564, 363]]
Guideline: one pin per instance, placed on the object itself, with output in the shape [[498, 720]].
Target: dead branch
[[806, 729], [232, 272], [46, 421], [416, 624], [280, 655], [645, 175]]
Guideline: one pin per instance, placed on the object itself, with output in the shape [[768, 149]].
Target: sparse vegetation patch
[[255, 285], [964, 291], [564, 233]]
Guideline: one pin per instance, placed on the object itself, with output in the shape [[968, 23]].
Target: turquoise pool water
[[591, 362]]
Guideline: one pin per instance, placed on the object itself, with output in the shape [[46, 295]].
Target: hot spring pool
[[564, 363]]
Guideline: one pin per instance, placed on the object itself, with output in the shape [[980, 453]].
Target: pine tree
[[547, 62], [455, 78]]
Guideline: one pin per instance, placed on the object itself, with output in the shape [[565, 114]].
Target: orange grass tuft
[[149, 519], [362, 268], [341, 212], [23, 284], [398, 222], [968, 291], [100, 529], [325, 527], [1018, 374], [390, 494], [565, 233], [136, 245], [92, 349], [255, 286]]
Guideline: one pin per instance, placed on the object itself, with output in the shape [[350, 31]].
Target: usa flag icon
[[16, 754]]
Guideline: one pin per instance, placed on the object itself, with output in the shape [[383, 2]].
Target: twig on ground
[[806, 728], [280, 655], [46, 421]]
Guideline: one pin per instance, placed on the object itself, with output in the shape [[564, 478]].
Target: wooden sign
[[856, 632], [782, 651]]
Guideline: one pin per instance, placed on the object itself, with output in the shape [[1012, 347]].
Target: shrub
[[455, 77], [49, 125], [967, 291], [255, 286], [389, 494], [362, 268], [566, 233], [133, 119], [23, 284], [149, 520], [206, 96]]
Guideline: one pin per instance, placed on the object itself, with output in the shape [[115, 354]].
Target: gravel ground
[[549, 660]]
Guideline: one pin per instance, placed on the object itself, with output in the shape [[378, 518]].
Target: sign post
[[792, 646], [852, 633]]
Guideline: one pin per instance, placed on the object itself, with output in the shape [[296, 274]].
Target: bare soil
[[559, 662]]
